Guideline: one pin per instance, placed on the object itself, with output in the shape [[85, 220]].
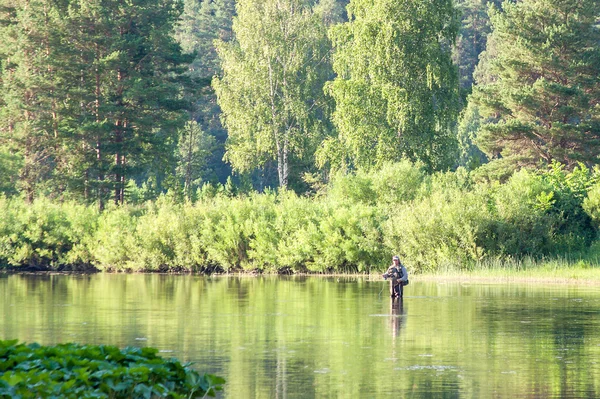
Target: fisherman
[[398, 277]]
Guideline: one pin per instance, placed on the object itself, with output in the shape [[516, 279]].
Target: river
[[328, 337]]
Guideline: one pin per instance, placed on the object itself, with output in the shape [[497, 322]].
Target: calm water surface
[[276, 337]]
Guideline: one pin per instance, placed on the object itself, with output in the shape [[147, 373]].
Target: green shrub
[[352, 188], [461, 223], [156, 232], [113, 246], [574, 227], [88, 371], [190, 250], [43, 234], [261, 231], [353, 226], [398, 182], [296, 223], [393, 183], [9, 228], [445, 227], [591, 204], [351, 238], [225, 231]]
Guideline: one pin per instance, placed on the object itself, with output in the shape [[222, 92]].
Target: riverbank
[[354, 225], [557, 271], [573, 279]]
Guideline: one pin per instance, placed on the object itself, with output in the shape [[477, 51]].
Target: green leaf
[[12, 378]]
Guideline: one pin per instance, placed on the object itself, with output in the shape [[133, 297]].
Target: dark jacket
[[397, 273]]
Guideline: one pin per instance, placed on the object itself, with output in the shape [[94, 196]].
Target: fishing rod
[[382, 287]]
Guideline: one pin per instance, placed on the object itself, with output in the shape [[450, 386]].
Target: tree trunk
[[119, 131], [100, 176], [118, 161], [282, 162]]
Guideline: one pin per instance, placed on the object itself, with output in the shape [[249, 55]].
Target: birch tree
[[271, 91], [396, 90]]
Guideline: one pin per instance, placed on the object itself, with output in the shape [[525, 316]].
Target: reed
[[528, 269]]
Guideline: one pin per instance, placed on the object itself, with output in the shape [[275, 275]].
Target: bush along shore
[[353, 225], [89, 371]]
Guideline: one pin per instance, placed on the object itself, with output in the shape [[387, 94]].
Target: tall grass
[[555, 269]]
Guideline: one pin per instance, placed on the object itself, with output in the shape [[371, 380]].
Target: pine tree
[[92, 91], [472, 37], [29, 117], [538, 86], [201, 24]]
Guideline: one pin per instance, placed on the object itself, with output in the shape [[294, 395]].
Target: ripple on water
[[417, 367], [322, 371]]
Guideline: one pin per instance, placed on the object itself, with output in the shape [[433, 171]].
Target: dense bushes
[[86, 371], [44, 233], [354, 225]]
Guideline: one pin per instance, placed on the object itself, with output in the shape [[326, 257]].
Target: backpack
[[401, 274]]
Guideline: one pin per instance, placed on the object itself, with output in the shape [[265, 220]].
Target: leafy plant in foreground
[[89, 371]]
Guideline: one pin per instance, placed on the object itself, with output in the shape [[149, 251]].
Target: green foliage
[[9, 172], [45, 234], [457, 221], [392, 184], [82, 371], [226, 232], [352, 225], [86, 109], [353, 188], [398, 182], [591, 204], [537, 83], [200, 25], [352, 238], [193, 149], [471, 156], [271, 90], [521, 227], [472, 37], [396, 89], [445, 227], [113, 240], [570, 190]]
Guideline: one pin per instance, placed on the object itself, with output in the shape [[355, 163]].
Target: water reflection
[[299, 337], [397, 313]]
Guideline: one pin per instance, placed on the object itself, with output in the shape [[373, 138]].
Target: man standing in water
[[398, 277]]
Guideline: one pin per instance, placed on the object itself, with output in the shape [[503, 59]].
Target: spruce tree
[[538, 85]]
